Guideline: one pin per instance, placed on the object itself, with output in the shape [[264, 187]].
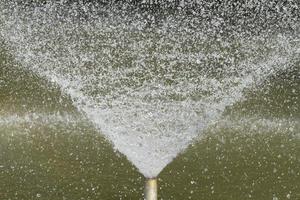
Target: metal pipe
[[151, 189]]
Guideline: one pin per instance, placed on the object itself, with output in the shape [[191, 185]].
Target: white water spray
[[150, 90]]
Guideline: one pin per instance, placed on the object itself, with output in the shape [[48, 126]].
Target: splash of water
[[150, 89]]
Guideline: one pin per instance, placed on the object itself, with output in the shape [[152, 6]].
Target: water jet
[[151, 88]]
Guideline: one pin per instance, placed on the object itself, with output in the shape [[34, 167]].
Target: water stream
[[151, 88]]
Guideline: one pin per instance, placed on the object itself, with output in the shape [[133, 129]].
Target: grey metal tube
[[151, 189]]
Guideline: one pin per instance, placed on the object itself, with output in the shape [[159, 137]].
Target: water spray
[[145, 86]]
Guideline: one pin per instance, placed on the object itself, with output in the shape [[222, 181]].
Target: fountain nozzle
[[151, 189]]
